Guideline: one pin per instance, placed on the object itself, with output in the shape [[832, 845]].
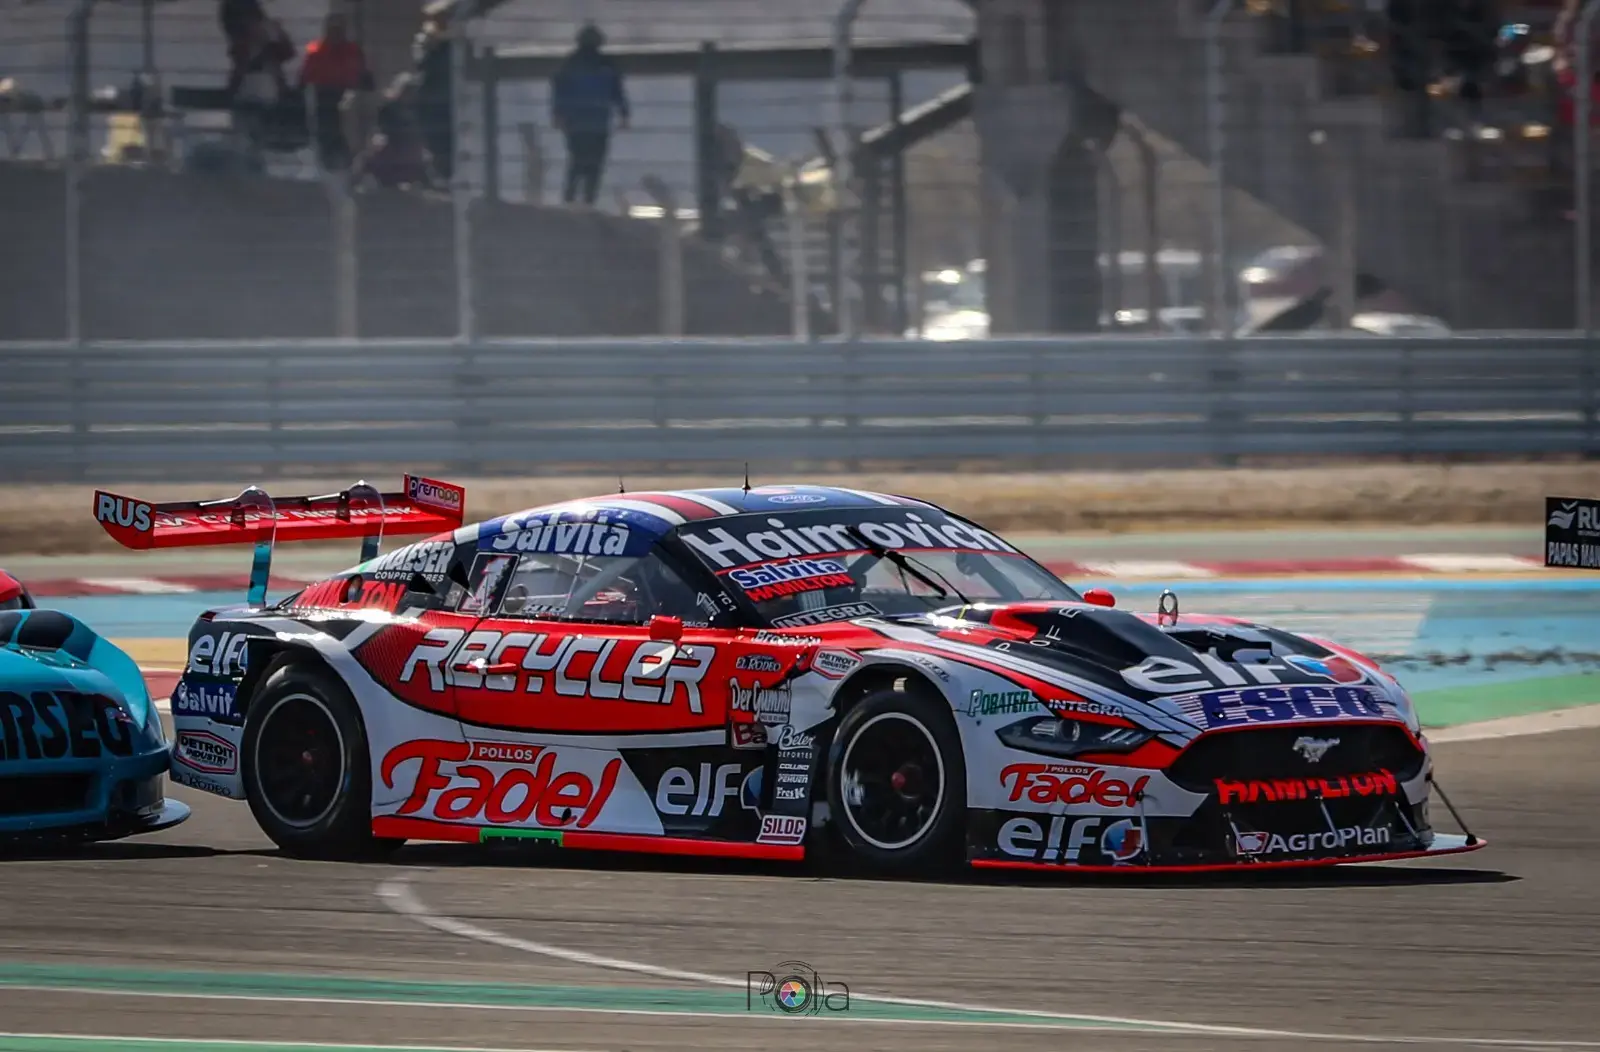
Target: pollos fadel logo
[[453, 784], [1051, 784]]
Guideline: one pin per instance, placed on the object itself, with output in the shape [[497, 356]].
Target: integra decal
[[804, 535], [48, 725], [1238, 708], [843, 612]]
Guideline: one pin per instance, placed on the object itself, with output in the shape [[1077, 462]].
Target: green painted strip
[[520, 834], [288, 987], [1450, 706]]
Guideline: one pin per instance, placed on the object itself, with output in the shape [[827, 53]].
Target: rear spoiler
[[424, 506]]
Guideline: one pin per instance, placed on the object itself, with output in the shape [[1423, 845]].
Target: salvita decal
[[775, 580], [566, 533], [1239, 708], [212, 701], [822, 533]]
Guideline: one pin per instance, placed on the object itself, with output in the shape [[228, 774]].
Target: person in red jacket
[[334, 66]]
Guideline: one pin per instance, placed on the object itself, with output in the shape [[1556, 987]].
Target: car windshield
[[811, 567]]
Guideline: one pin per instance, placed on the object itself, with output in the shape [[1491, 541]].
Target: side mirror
[[1099, 597], [666, 629]]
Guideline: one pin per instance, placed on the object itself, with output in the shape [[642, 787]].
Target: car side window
[[612, 589]]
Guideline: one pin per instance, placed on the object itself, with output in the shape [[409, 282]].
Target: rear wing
[[424, 506]]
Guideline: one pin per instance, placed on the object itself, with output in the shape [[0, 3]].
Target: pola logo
[[1333, 667]]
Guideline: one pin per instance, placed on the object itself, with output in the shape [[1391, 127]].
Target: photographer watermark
[[794, 988]]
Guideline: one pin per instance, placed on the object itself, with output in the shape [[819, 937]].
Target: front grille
[[1269, 752], [41, 794]]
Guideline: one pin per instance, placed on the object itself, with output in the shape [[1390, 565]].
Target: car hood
[[1205, 671]]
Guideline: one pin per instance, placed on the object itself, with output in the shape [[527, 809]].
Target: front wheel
[[897, 782], [307, 774]]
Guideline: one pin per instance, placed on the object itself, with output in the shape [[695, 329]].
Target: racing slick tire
[[897, 782], [305, 766]]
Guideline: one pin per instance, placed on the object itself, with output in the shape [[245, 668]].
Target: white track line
[[398, 896], [1581, 718], [139, 585]]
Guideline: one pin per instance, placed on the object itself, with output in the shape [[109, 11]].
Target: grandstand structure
[[1042, 136]]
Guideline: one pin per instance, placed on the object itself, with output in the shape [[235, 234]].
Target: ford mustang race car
[[82, 750], [749, 672]]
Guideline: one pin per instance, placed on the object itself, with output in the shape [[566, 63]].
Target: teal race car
[[83, 755]]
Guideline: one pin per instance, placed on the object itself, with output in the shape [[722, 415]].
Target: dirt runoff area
[[58, 519]]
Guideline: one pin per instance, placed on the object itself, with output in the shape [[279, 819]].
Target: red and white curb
[[1442, 563]]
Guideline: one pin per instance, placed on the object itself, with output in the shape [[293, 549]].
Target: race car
[[82, 750], [760, 673]]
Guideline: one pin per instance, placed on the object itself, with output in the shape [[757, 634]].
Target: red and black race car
[[740, 672]]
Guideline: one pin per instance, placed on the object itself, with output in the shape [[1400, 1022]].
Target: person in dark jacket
[[586, 94], [435, 98]]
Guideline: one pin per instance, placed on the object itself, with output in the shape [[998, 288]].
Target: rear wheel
[[897, 782], [306, 769]]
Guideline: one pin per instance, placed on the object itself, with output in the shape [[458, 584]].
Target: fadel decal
[[762, 542], [1026, 838], [773, 580], [843, 612], [1378, 783], [435, 494], [651, 672], [48, 725], [1238, 708], [1052, 784], [221, 656], [682, 793], [213, 701], [537, 787], [782, 829], [122, 511], [561, 533], [996, 703], [206, 752], [431, 559], [1303, 843], [769, 704]]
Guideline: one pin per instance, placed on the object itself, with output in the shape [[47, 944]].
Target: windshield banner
[[755, 539]]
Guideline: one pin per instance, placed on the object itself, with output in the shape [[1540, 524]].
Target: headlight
[[1057, 737]]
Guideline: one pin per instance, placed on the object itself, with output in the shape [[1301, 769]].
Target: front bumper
[[99, 799], [1443, 844]]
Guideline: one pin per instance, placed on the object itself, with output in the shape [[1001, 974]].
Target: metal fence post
[[77, 160], [799, 258], [460, 189], [1583, 262], [845, 307], [1216, 113]]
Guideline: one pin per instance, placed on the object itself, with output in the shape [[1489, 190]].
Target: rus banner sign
[[1572, 533]]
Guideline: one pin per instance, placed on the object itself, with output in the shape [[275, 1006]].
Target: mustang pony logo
[[1314, 749]]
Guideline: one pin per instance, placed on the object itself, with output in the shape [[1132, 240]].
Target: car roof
[[650, 515]]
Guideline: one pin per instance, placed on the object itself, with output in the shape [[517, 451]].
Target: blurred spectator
[[397, 157], [586, 90], [237, 16], [334, 66], [1468, 43], [434, 106], [267, 111], [1409, 61]]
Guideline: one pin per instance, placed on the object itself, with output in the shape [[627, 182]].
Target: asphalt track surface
[[205, 932]]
